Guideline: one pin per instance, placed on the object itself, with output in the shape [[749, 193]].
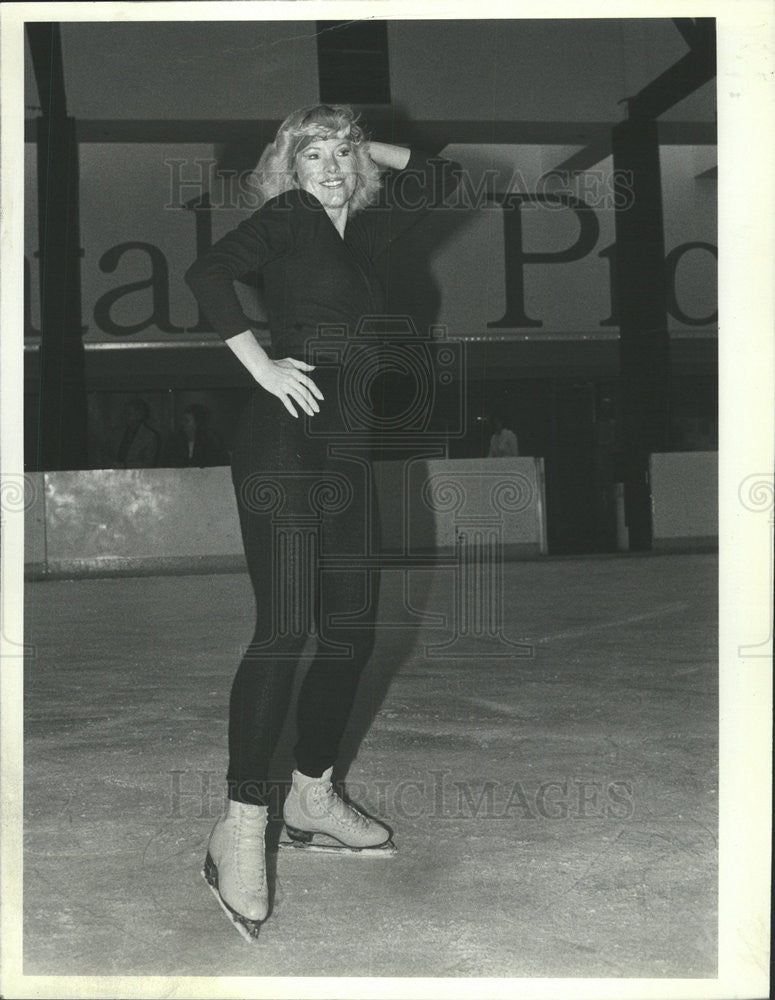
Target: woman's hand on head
[[387, 156], [286, 380]]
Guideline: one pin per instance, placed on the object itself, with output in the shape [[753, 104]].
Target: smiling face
[[327, 169]]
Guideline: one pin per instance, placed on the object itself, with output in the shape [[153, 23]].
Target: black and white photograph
[[387, 499]]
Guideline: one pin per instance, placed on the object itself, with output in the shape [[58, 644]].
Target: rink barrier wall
[[106, 522], [164, 521], [684, 501]]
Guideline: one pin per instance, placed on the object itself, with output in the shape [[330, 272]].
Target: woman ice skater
[[316, 238]]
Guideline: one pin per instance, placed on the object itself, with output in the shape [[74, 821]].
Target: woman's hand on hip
[[286, 380]]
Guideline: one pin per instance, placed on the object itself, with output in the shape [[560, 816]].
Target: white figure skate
[[319, 821], [235, 866]]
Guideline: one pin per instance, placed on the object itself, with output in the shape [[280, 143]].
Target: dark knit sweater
[[312, 275]]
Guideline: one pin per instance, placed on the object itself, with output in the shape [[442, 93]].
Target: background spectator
[[503, 441], [134, 444], [194, 443]]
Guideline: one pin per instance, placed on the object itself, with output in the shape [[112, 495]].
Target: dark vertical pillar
[[62, 429], [639, 274]]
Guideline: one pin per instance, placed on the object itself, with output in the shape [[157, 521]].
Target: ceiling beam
[[682, 78], [670, 134], [688, 28], [586, 158], [676, 83], [437, 133]]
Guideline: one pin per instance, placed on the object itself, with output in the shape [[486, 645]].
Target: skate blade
[[323, 844], [247, 928]]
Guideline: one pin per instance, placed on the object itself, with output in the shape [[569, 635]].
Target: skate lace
[[249, 850], [342, 811]]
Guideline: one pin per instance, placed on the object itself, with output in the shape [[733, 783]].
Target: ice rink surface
[[555, 813]]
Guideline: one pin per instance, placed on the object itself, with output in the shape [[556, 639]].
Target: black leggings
[[307, 507]]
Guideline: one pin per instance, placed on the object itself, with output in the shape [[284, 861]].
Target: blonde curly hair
[[276, 169]]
